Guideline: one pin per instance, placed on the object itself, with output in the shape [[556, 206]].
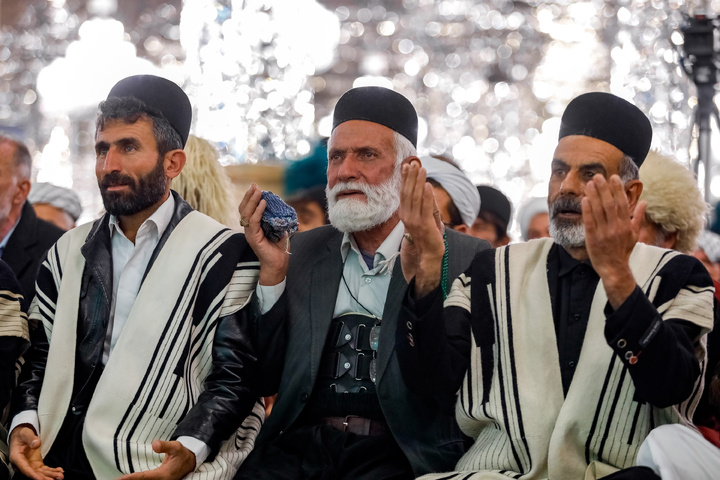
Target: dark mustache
[[565, 204], [113, 179]]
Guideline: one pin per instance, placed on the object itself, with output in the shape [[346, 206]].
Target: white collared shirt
[[369, 286], [130, 262]]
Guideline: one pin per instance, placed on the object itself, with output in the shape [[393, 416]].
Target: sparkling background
[[489, 78]]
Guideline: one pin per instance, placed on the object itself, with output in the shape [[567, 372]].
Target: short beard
[[564, 232], [146, 192], [350, 215]]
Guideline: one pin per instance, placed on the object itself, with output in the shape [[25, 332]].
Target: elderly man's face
[[10, 182], [363, 179], [576, 161], [130, 174]]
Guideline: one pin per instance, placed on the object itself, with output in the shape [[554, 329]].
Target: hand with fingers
[[273, 256], [610, 235], [421, 254], [178, 462], [26, 457]]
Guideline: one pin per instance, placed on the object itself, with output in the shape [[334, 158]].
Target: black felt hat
[[162, 95], [493, 200], [611, 119], [378, 105]]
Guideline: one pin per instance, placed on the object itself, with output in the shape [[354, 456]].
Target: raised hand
[[421, 253], [273, 256], [610, 235]]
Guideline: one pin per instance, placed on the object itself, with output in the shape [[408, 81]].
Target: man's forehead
[[119, 128], [580, 149], [356, 132]]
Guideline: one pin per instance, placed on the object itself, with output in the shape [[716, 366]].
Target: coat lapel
[[395, 294], [324, 283]]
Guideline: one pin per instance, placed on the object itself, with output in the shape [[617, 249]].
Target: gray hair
[[22, 157], [628, 169], [403, 148]]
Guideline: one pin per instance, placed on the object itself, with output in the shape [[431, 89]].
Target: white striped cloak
[[527, 429], [137, 400]]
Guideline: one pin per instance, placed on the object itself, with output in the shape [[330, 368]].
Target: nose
[[571, 184], [348, 169], [111, 162]]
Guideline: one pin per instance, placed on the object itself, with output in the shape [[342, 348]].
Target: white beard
[[351, 215]]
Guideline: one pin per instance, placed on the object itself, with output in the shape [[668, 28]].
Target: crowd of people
[[400, 333]]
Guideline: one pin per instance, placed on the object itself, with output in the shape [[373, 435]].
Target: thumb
[[28, 437], [161, 446]]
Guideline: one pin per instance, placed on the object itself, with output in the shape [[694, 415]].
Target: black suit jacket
[[292, 337], [26, 248]]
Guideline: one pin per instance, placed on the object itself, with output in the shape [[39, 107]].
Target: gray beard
[[349, 215], [568, 235]]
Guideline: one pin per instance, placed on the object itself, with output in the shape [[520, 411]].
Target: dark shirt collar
[[567, 263]]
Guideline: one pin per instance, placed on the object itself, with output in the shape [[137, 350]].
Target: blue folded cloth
[[278, 218]]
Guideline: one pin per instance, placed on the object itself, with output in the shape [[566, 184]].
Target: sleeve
[[230, 387], [270, 331], [659, 341], [433, 339], [14, 336], [40, 321]]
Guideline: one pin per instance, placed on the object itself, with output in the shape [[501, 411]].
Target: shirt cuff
[[198, 447], [268, 295], [26, 416]]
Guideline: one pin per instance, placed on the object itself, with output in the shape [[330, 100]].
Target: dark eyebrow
[[101, 145], [593, 167], [556, 162], [120, 141]]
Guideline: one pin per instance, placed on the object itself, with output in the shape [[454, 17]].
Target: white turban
[[528, 211], [59, 197], [457, 184]]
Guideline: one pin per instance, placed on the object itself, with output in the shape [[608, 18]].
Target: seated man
[[578, 345], [493, 218], [142, 346]]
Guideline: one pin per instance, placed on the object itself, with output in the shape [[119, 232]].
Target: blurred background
[[489, 78]]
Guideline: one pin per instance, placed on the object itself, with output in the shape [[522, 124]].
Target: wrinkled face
[[539, 226], [9, 181], [363, 188], [130, 174], [576, 161]]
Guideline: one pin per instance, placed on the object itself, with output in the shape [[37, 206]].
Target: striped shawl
[[511, 401], [157, 369]]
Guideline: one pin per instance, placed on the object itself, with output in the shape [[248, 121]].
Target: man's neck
[[369, 241], [130, 224]]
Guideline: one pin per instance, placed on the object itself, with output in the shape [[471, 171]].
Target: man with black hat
[[328, 344], [142, 359], [578, 345], [493, 218]]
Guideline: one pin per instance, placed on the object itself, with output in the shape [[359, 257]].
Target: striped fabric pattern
[[523, 426], [157, 370]]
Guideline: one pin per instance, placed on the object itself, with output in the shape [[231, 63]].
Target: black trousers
[[68, 452], [320, 452]]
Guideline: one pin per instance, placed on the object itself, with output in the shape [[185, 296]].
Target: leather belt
[[357, 425]]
